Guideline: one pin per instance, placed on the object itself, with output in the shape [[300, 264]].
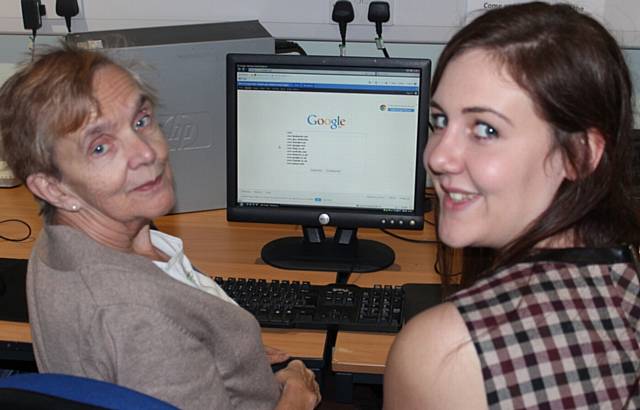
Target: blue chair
[[61, 391]]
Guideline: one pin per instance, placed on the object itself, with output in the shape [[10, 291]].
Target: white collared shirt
[[179, 267]]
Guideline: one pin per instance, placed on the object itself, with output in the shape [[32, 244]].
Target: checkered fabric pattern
[[557, 335]]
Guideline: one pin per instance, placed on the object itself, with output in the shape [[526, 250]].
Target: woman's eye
[[99, 149], [438, 121], [483, 130], [144, 121]]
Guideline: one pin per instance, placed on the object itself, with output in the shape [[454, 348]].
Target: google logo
[[332, 123]]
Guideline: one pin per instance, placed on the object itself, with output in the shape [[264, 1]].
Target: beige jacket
[[104, 314]]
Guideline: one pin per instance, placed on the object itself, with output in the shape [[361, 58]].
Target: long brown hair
[[576, 75]]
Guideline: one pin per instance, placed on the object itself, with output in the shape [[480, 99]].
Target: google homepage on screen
[[327, 137]]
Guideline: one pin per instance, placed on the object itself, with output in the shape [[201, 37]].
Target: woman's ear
[[589, 150], [596, 143], [47, 188]]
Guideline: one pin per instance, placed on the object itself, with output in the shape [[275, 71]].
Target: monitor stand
[[342, 253]]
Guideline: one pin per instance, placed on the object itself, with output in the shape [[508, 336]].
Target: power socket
[[361, 11]]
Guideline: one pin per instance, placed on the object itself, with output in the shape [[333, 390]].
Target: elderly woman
[[104, 301], [532, 115]]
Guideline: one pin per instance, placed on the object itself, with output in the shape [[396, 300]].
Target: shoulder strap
[[634, 251]]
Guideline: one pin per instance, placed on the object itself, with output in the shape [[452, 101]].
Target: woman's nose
[[141, 152], [444, 153]]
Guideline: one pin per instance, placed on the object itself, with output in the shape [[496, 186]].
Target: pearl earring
[[75, 208]]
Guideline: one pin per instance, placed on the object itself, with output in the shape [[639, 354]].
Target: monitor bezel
[[310, 216]]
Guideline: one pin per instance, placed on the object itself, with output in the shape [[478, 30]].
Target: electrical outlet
[[361, 11]]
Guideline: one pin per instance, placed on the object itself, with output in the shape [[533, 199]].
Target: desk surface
[[232, 249]]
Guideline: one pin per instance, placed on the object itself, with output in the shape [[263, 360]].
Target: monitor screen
[[322, 141]]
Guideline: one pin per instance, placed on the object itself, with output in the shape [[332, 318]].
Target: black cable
[[342, 277], [429, 200], [32, 12], [27, 236], [428, 204], [379, 12], [33, 44], [67, 9], [342, 14], [286, 47]]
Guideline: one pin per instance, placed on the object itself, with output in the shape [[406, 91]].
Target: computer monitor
[[327, 141]]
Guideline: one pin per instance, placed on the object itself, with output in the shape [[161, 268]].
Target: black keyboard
[[285, 304]]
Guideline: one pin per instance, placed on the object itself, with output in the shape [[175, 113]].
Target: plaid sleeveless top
[[560, 330]]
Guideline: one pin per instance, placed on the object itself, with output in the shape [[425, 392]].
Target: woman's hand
[[299, 387], [276, 355]]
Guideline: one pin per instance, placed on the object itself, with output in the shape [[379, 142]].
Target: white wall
[[412, 21]]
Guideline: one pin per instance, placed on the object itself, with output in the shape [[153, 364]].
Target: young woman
[[530, 155]]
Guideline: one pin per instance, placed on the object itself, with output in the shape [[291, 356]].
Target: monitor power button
[[323, 219]]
